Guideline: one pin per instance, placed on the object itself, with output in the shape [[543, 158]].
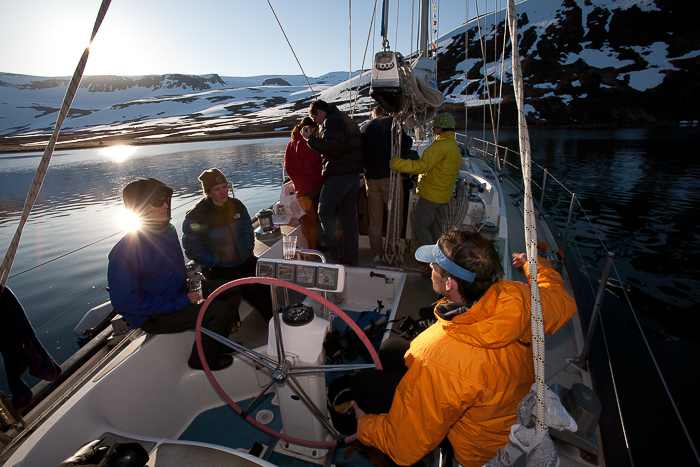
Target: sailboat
[[274, 406]]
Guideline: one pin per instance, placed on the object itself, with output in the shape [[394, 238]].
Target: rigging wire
[[503, 61], [362, 72], [466, 68], [413, 4], [71, 307], [350, 43], [292, 48], [486, 75]]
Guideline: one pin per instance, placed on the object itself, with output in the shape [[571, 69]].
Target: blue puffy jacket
[[146, 275], [218, 236]]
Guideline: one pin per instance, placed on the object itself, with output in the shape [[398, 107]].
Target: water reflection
[[118, 153], [80, 208]]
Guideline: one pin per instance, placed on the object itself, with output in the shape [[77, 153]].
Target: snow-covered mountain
[[585, 62]]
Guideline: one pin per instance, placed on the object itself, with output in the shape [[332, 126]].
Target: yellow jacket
[[466, 376], [438, 166]]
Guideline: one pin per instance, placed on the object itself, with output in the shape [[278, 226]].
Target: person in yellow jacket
[[465, 375], [438, 166]]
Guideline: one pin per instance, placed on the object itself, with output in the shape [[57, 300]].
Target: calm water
[[641, 191], [80, 204], [640, 188]]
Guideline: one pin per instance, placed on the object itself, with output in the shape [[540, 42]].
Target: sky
[[226, 37]]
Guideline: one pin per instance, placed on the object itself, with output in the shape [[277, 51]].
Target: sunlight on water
[[118, 153]]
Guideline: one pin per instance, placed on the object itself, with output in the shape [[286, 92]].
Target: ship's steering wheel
[[282, 369]]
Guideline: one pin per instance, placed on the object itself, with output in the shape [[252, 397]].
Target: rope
[[456, 209], [48, 152], [359, 78], [393, 248], [537, 323], [292, 48]]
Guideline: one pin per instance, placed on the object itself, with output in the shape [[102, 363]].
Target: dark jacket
[[218, 236], [146, 275], [339, 142], [376, 142]]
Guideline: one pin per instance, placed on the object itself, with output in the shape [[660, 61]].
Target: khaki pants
[[377, 198]]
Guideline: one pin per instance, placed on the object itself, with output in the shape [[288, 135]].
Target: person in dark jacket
[[376, 140], [339, 142], [304, 169], [218, 235], [147, 277]]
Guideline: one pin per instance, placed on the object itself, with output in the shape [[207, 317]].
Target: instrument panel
[[315, 276]]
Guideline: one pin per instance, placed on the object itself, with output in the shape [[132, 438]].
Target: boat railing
[[554, 196]]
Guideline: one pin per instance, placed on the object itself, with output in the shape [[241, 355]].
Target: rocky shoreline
[[89, 139]]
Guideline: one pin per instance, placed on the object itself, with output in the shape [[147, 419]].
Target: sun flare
[[118, 153], [129, 221]]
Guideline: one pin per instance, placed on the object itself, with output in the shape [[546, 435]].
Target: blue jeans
[[428, 221], [340, 191]]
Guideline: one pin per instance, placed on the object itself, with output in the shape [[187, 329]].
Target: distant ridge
[[585, 63]]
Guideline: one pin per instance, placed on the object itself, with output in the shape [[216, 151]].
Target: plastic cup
[[289, 246]]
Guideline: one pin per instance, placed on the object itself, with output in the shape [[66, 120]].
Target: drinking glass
[[289, 246]]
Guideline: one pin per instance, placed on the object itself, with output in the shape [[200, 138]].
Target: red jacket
[[302, 165]]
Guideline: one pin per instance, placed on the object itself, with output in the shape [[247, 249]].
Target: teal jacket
[[218, 236]]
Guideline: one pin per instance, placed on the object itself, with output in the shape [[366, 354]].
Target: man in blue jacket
[[218, 235], [147, 277]]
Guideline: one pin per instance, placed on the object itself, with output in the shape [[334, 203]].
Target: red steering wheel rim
[[212, 379]]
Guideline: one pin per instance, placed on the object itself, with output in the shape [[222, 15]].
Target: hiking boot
[[339, 258], [221, 362]]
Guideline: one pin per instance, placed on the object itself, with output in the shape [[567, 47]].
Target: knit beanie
[[139, 193], [210, 178], [444, 120]]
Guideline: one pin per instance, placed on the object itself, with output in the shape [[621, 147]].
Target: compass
[[297, 314]]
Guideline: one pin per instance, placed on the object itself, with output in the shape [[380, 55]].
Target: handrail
[[486, 151]]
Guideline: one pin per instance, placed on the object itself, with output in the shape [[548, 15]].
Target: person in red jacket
[[462, 377], [303, 165]]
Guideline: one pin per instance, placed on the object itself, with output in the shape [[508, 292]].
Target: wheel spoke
[[259, 396], [278, 329], [296, 387], [282, 370], [300, 370], [263, 360]]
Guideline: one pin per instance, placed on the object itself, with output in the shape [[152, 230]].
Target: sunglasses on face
[[158, 202]]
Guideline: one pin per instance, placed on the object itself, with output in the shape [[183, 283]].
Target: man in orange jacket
[[465, 375]]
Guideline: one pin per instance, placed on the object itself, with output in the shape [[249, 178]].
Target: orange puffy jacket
[[466, 376]]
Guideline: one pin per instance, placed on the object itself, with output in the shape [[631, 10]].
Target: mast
[[423, 28]]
